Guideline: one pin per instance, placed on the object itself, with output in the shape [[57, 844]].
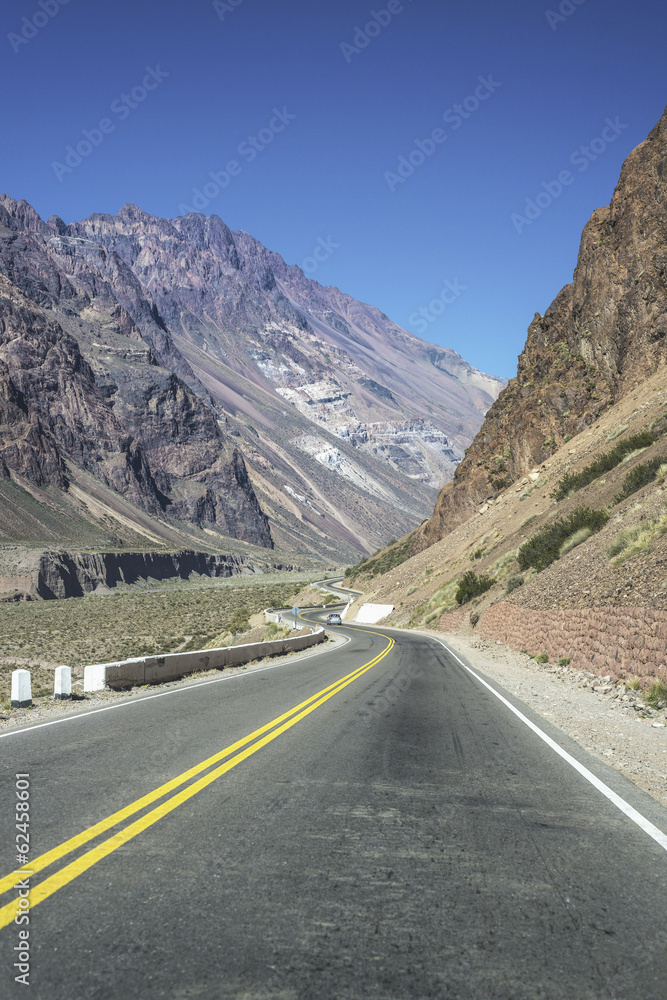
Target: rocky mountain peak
[[209, 350]]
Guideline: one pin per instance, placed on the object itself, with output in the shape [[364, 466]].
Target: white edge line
[[161, 694], [620, 803]]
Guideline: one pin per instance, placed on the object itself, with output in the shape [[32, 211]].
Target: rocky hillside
[[598, 340], [599, 597], [197, 376]]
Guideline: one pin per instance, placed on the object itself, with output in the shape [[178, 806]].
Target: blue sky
[[315, 118]]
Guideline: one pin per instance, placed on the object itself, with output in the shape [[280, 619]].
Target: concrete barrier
[[173, 666], [371, 614]]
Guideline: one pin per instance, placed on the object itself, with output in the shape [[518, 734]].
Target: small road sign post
[[295, 612]]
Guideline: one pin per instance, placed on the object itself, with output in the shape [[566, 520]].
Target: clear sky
[[315, 118]]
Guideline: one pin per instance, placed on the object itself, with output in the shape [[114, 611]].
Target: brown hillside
[[599, 340], [600, 603]]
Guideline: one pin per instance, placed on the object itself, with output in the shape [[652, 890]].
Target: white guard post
[[21, 689], [62, 688]]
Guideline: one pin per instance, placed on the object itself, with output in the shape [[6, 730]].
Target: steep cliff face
[[51, 407], [601, 337], [80, 382], [59, 573]]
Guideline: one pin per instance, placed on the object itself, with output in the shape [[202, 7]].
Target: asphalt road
[[404, 835]]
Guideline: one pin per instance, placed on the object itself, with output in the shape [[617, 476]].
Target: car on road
[[334, 619]]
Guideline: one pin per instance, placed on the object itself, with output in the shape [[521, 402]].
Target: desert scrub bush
[[573, 481], [411, 591], [576, 539], [640, 476], [470, 585], [538, 484], [617, 431], [542, 658], [634, 683], [629, 542], [502, 567], [564, 661], [445, 598], [544, 547], [82, 630], [513, 583], [382, 561], [656, 692], [501, 483]]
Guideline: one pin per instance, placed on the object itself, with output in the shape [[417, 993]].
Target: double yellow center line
[[236, 753]]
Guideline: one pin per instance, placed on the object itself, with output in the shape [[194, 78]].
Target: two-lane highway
[[371, 821]]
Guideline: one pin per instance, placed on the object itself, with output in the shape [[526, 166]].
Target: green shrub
[[513, 583], [545, 547], [470, 585], [542, 658], [656, 692], [564, 661], [573, 481], [640, 476], [501, 483]]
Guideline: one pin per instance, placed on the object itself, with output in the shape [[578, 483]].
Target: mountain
[[194, 374], [600, 338], [552, 538]]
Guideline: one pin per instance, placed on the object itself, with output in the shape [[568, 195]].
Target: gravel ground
[[46, 710], [623, 733]]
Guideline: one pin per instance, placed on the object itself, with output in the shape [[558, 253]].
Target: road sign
[[295, 612]]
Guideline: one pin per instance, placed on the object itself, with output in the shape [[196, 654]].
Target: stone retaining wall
[[452, 621], [619, 641]]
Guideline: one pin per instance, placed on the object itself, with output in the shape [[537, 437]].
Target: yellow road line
[[43, 861], [54, 882]]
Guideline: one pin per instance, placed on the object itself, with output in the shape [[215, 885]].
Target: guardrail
[[173, 666]]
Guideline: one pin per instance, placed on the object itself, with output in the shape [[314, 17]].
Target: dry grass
[[576, 539], [638, 538], [97, 629]]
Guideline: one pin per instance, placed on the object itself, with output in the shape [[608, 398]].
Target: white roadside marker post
[[62, 688], [21, 689]]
